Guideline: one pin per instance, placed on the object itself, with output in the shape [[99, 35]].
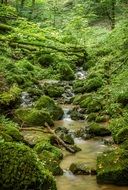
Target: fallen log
[[68, 148]]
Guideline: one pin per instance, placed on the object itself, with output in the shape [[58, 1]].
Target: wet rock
[[46, 102], [65, 135], [75, 148], [53, 90], [98, 130], [112, 167], [76, 115], [82, 169], [33, 116]]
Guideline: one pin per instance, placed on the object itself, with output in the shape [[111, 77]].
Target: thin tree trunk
[[59, 139]]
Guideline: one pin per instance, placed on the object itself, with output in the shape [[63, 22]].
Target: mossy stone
[[46, 102], [21, 169], [112, 167], [98, 130], [33, 116]]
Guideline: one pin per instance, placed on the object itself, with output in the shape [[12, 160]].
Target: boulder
[[33, 116], [21, 169], [46, 102], [112, 167], [82, 169]]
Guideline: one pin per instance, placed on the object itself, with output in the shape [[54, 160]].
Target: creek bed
[[90, 149]]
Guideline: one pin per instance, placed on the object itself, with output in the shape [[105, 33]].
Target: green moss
[[46, 102], [53, 90], [50, 156], [21, 169], [50, 163], [45, 145], [119, 129], [5, 137], [91, 104], [11, 96], [98, 130], [112, 167], [10, 130], [66, 73], [33, 116]]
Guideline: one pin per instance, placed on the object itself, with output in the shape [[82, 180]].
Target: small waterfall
[[25, 99], [80, 74]]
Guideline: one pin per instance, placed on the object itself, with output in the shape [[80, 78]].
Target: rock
[[9, 131], [50, 156], [112, 167], [76, 115], [53, 90], [119, 129], [98, 130], [46, 102], [82, 169], [65, 135], [33, 116], [66, 73], [10, 98], [21, 169], [75, 148]]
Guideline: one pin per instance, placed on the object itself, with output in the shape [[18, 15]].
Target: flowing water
[[90, 150]]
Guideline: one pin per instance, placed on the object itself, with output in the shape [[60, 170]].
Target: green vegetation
[[21, 169], [52, 40], [112, 167], [46, 102]]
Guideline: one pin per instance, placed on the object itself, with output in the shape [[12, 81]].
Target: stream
[[90, 150]]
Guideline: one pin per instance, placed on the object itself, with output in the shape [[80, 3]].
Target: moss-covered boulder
[[46, 102], [50, 156], [119, 129], [76, 115], [66, 73], [88, 85], [33, 116], [9, 131], [91, 104], [112, 167], [53, 90], [81, 169], [21, 169], [10, 97], [96, 129]]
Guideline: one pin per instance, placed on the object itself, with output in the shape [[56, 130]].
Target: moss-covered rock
[[9, 130], [81, 169], [10, 97], [119, 129], [66, 73], [21, 169], [76, 115], [98, 130], [88, 85], [50, 156], [91, 104], [112, 167], [46, 102], [53, 90], [33, 116]]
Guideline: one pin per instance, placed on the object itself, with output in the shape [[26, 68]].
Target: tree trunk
[[59, 139]]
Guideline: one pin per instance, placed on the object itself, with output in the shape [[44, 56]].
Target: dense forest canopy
[[55, 53]]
